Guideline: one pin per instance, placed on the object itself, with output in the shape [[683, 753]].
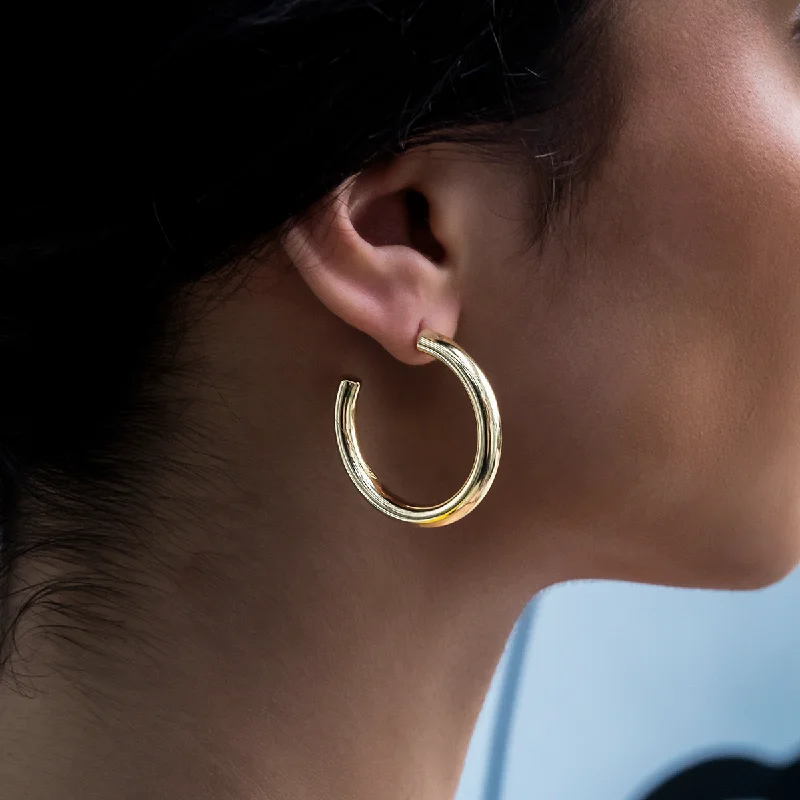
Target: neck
[[299, 645], [344, 674]]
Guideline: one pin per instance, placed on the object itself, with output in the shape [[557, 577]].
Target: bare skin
[[647, 365]]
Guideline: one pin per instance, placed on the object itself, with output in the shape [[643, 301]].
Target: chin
[[730, 557], [769, 557], [761, 574], [744, 543]]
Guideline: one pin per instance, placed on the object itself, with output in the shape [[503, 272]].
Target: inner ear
[[399, 218]]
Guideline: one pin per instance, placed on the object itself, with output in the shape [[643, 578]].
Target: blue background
[[621, 685]]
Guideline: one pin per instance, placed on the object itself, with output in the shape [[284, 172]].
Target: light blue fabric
[[622, 684]]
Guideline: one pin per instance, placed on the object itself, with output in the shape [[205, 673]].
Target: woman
[[215, 213]]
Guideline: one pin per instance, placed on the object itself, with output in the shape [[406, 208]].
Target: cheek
[[661, 431], [665, 386]]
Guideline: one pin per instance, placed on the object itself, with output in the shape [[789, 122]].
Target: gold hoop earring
[[487, 456]]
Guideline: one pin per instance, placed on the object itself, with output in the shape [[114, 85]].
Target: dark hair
[[150, 149]]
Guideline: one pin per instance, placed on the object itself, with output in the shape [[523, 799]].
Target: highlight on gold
[[487, 455]]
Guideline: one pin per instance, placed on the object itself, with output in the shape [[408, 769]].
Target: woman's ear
[[371, 255]]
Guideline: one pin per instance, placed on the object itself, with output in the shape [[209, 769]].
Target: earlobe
[[367, 255]]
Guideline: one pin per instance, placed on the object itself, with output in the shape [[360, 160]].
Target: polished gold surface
[[487, 456]]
